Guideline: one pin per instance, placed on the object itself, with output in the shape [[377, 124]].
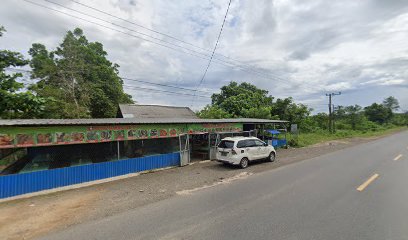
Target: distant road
[[357, 193]]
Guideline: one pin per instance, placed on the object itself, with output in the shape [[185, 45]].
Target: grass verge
[[306, 139]]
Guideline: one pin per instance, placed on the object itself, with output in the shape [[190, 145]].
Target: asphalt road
[[312, 199]]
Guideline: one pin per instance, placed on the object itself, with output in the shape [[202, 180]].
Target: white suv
[[241, 150]]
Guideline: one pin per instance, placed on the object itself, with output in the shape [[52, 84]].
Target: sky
[[292, 48]]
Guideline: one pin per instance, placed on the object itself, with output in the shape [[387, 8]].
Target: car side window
[[251, 143], [242, 144], [259, 143]]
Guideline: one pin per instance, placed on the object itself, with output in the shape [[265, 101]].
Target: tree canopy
[[78, 78], [15, 101], [391, 103], [246, 100], [378, 113]]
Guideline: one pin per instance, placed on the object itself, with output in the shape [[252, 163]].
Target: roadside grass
[[307, 139]]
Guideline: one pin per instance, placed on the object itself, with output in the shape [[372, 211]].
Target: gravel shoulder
[[36, 216]]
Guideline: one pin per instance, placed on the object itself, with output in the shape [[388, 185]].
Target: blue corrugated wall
[[278, 142], [16, 184]]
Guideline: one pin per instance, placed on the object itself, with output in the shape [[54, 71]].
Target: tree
[[378, 113], [213, 112], [353, 115], [391, 103], [287, 109], [321, 120], [242, 100], [78, 77], [15, 102], [246, 100]]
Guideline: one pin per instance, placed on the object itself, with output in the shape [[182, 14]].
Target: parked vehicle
[[241, 150]]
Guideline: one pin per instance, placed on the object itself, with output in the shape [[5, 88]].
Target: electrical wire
[[164, 34], [163, 91], [267, 76], [163, 45], [125, 78], [212, 55]]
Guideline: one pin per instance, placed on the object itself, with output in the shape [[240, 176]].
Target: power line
[[163, 45], [161, 33], [164, 85], [125, 78], [136, 24], [162, 91], [113, 29], [215, 48], [129, 29], [219, 61], [129, 87]]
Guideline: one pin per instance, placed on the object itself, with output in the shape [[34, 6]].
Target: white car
[[241, 150]]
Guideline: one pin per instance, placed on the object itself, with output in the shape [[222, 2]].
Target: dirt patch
[[331, 143], [239, 176], [31, 218]]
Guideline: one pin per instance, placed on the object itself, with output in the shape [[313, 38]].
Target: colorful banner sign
[[11, 137]]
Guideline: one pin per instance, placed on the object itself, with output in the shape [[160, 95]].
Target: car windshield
[[226, 144]]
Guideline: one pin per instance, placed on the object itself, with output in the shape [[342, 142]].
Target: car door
[[251, 149], [261, 149]]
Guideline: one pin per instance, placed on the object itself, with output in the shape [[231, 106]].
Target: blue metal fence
[[16, 184]]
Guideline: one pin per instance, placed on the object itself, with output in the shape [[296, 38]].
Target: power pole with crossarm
[[330, 95]]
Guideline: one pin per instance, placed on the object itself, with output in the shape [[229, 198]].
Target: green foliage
[[391, 103], [287, 109], [78, 77], [15, 102], [378, 113], [400, 119], [320, 136], [214, 112], [241, 100], [353, 115], [246, 100]]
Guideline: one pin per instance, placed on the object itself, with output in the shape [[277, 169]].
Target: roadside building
[[39, 154]]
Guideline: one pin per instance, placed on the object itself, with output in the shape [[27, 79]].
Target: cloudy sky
[[296, 48]]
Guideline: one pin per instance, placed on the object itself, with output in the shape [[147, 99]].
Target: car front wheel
[[271, 157]]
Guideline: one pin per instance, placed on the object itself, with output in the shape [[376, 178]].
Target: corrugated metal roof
[[113, 121], [155, 111]]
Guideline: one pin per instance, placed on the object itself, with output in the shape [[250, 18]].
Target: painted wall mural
[[11, 137]]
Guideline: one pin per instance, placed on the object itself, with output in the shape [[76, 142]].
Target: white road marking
[[397, 157]]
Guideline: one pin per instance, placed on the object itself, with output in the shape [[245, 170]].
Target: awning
[[272, 131]]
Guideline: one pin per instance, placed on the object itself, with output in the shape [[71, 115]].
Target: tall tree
[[287, 109], [391, 103], [243, 100], [15, 101], [78, 77]]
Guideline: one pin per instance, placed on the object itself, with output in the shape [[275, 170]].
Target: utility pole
[[330, 95], [334, 118]]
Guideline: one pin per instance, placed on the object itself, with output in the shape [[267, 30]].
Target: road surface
[[357, 193]]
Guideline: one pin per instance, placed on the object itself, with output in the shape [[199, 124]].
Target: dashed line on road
[[366, 183], [397, 157]]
